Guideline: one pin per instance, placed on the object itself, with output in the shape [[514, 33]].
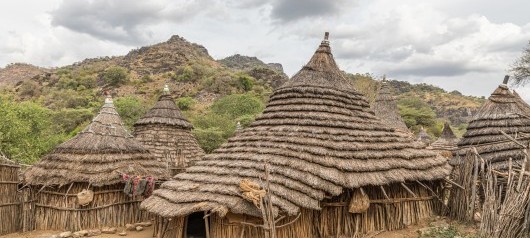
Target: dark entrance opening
[[195, 227]]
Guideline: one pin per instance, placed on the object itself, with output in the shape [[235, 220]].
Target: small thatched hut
[[10, 209], [385, 108], [80, 184], [505, 112], [447, 143], [424, 137], [335, 169], [493, 138], [165, 132]]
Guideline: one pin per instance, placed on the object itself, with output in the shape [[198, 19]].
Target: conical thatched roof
[[318, 136], [165, 132], [165, 112], [424, 137], [96, 155], [503, 111], [385, 107], [447, 140]]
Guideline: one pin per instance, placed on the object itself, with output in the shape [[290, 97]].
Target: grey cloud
[[437, 68], [116, 21], [292, 10]]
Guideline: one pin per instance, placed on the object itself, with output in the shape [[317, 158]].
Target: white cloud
[[449, 43]]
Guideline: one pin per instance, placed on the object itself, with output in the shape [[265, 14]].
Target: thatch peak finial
[[326, 38], [166, 89], [108, 99], [506, 79]]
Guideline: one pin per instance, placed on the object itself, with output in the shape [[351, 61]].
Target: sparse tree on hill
[[521, 67]]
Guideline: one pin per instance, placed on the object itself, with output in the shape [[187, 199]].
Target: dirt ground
[[409, 232], [146, 233]]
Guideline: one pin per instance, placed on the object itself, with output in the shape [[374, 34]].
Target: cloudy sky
[[464, 45]]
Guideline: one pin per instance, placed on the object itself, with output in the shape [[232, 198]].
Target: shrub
[[210, 138], [238, 105], [245, 82], [185, 103], [130, 108], [115, 76]]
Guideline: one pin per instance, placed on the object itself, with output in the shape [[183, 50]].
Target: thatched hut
[[165, 132], [447, 143], [80, 184], [424, 137], [385, 107], [503, 112], [334, 168], [10, 209], [493, 138]]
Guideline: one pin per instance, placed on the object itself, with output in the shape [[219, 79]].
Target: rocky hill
[[15, 73], [269, 73]]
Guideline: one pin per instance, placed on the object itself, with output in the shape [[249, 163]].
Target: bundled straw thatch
[[424, 137], [165, 132], [446, 143], [10, 209], [94, 160], [503, 112], [319, 138], [385, 108]]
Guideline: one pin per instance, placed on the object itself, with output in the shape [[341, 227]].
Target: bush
[[246, 83], [238, 105], [115, 76], [185, 103], [210, 138], [416, 112], [27, 131], [130, 108]]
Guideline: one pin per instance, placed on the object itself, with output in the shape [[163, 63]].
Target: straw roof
[[385, 107], [424, 137], [317, 135], [503, 111], [163, 130], [96, 155], [165, 112], [447, 140]]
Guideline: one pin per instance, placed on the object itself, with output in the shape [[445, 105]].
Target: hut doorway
[[196, 226]]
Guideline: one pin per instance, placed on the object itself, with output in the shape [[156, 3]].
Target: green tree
[[130, 108], [115, 76], [416, 113], [27, 131], [210, 138], [521, 67], [237, 105], [185, 103]]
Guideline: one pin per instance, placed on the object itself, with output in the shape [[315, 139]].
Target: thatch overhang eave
[[256, 174], [230, 182]]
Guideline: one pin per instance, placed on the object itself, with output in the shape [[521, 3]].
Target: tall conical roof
[[447, 140], [424, 137], [385, 107], [318, 136], [165, 132], [96, 155], [503, 111], [166, 112]]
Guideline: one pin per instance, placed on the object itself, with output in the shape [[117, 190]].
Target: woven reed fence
[[57, 208], [465, 203], [9, 202], [391, 207], [506, 208]]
